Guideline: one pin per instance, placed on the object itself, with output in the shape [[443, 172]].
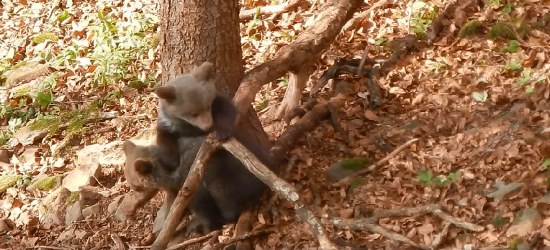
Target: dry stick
[[119, 244], [269, 10], [368, 224], [305, 50], [280, 186], [379, 163], [230, 241], [182, 199], [439, 237], [433, 209], [195, 240], [48, 247]]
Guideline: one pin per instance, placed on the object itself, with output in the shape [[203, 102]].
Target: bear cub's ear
[[167, 93], [205, 72], [143, 167], [128, 146]]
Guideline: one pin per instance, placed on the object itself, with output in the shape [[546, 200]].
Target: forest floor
[[477, 100]]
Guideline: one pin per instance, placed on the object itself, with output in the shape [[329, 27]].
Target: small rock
[[26, 136], [66, 235], [89, 195], [81, 176], [74, 213], [51, 209], [114, 204], [103, 154], [91, 210]]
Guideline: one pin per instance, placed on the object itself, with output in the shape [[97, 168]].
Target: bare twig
[[370, 223], [439, 237], [269, 10], [195, 240], [230, 241], [377, 164], [280, 186], [367, 224]]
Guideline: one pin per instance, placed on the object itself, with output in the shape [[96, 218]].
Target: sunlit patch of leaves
[[427, 178]]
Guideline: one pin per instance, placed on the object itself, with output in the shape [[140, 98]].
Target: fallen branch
[[230, 241], [281, 187], [379, 163], [246, 15], [195, 240], [371, 225], [182, 199]]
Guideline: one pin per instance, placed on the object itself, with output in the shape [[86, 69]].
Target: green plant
[[427, 178], [513, 65], [512, 46], [420, 21]]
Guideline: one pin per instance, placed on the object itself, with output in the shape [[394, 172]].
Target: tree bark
[[194, 31]]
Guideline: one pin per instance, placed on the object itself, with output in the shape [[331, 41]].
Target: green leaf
[[425, 177], [64, 15], [512, 47], [43, 99]]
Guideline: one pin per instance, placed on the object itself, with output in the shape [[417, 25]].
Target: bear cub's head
[[142, 169], [189, 97]]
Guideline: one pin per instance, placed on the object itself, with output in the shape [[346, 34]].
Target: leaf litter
[[479, 110]]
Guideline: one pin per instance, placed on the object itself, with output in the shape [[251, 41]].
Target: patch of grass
[[471, 28], [499, 221], [73, 197], [7, 181], [47, 183]]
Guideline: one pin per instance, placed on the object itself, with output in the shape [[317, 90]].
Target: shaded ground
[[463, 97]]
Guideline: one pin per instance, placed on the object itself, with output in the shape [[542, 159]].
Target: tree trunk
[[194, 31]]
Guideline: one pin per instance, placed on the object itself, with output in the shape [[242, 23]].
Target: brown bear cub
[[190, 108]]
